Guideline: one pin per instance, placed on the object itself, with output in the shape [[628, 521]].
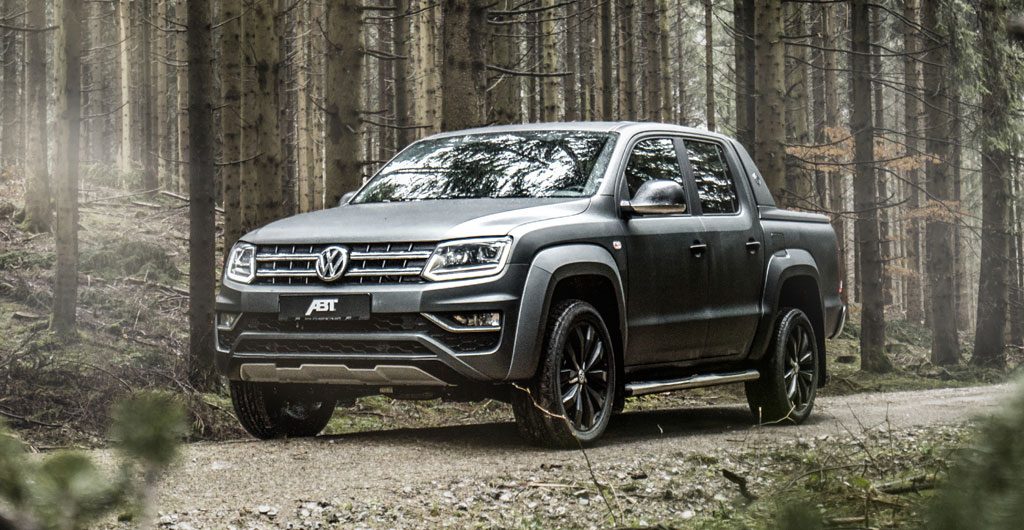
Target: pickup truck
[[558, 267]]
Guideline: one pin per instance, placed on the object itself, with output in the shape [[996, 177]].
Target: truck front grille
[[375, 263]]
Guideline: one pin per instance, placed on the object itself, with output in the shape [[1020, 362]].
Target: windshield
[[528, 164]]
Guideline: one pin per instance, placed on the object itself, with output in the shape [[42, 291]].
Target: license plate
[[337, 307]]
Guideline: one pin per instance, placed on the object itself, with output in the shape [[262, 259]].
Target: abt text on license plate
[[336, 307]]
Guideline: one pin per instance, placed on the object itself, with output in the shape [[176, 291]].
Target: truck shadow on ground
[[625, 428]]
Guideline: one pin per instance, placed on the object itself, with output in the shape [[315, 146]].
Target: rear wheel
[[273, 411], [789, 377], [571, 398]]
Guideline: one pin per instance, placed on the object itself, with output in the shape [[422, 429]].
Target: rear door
[[735, 258], [667, 281]]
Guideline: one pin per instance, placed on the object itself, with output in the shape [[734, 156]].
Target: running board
[[694, 381]]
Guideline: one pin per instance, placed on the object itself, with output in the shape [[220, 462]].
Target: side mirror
[[345, 198], [657, 197]]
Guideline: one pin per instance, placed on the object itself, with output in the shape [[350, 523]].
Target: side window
[[651, 159], [715, 185]]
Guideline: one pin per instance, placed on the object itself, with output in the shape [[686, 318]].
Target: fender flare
[[550, 266], [782, 266]]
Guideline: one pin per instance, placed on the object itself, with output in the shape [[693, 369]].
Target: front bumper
[[400, 345]]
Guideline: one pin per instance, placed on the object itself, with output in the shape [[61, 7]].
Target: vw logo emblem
[[330, 264]]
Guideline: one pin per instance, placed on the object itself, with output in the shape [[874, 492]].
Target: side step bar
[[694, 381]]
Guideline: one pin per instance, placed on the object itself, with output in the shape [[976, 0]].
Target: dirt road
[[395, 477]]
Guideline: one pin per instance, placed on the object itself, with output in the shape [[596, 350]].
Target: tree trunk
[[505, 97], [68, 114], [881, 174], [770, 118], [912, 126], [996, 133], [124, 36], [872, 337], [463, 91], [11, 150], [342, 97], [607, 39], [38, 215], [627, 80], [743, 21], [651, 50], [570, 57], [163, 147], [551, 85], [938, 230], [150, 176], [403, 136], [230, 44], [202, 194], [798, 179], [709, 65], [181, 52]]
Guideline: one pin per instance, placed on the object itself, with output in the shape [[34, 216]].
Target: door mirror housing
[[345, 198], [657, 197]]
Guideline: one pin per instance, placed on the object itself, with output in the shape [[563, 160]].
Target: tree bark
[[403, 47], [650, 55], [11, 150], [230, 44], [607, 39], [124, 57], [798, 180], [996, 133], [68, 111], [912, 127], [262, 176], [163, 146], [341, 98], [38, 215], [627, 80], [770, 118], [938, 230], [872, 337], [551, 86], [505, 96], [709, 65], [202, 195], [743, 22], [462, 72], [181, 52]]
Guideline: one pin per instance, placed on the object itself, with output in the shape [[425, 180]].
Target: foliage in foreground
[[985, 488], [67, 490]]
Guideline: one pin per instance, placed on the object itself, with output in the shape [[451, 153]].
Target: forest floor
[[133, 334], [867, 461]]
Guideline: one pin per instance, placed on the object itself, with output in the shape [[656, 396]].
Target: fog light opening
[[468, 322], [227, 321]]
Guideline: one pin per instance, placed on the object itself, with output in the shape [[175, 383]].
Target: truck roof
[[624, 127]]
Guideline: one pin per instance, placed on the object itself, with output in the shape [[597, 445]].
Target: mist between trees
[[899, 119]]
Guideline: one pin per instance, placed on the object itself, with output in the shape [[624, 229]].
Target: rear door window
[[716, 187]]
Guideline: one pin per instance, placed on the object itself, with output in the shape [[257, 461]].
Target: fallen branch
[[14, 416], [185, 199], [741, 482], [911, 485]]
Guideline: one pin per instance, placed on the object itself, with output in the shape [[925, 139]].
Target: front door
[[667, 279]]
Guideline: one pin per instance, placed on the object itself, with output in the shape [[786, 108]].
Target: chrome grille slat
[[377, 263]]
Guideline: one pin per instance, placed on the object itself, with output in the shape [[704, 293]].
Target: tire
[[784, 394], [268, 411], [570, 400]]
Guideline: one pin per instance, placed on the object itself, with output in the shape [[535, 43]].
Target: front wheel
[[570, 400], [789, 376], [274, 411]]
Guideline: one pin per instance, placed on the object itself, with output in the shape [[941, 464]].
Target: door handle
[[698, 248], [753, 246]]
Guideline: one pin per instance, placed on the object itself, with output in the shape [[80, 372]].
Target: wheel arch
[[792, 280], [583, 271]]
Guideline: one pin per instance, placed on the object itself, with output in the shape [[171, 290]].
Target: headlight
[[468, 258], [241, 266]]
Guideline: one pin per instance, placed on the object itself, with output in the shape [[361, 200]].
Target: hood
[[416, 221]]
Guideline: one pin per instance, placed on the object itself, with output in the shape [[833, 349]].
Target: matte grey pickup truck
[[560, 267]]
